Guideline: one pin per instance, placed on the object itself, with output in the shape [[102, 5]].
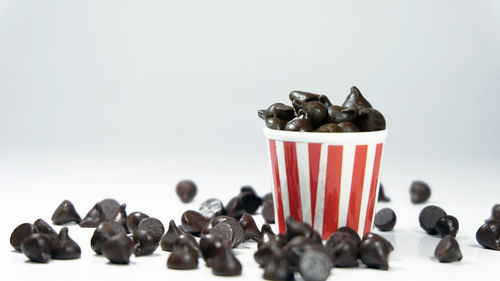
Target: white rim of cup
[[330, 138]]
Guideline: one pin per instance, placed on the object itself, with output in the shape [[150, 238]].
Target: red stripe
[[332, 190], [358, 177], [314, 154], [277, 186], [292, 180], [373, 189]]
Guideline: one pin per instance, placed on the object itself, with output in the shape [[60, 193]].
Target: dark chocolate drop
[[488, 235], [448, 250], [314, 265], [249, 227], [382, 197], [193, 222], [419, 192], [183, 258], [118, 249], [374, 251], [20, 233], [37, 247], [145, 242], [211, 208], [447, 225], [168, 240], [65, 248], [65, 213], [224, 263], [154, 225], [103, 232], [355, 100], [121, 216], [428, 218], [133, 220], [385, 219], [186, 190]]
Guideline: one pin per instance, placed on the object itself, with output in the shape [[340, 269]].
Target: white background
[[124, 98]]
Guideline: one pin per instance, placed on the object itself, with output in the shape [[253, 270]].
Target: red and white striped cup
[[327, 180]]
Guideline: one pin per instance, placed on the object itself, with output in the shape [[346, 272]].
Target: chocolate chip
[[133, 220], [352, 232], [65, 213], [448, 250], [37, 247], [370, 119], [20, 233], [419, 192], [278, 268], [250, 201], [281, 111], [296, 228], [264, 253], [495, 212], [234, 208], [488, 235], [183, 258], [210, 245], [338, 236], [324, 99], [154, 225], [381, 194], [374, 251], [186, 190], [249, 227], [447, 225], [348, 127], [187, 240], [301, 123], [337, 114], [103, 232], [268, 208], [65, 248], [301, 96], [224, 232], [168, 240], [109, 207], [263, 114], [329, 128], [211, 208], [43, 227], [118, 249], [101, 211], [276, 123], [121, 216], [145, 242], [344, 253], [224, 263], [266, 235], [428, 218], [355, 100], [237, 229], [294, 248], [315, 111], [385, 219], [314, 265], [193, 222]]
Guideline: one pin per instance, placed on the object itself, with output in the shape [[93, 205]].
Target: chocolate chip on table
[[316, 111], [278, 268], [314, 265], [420, 192], [296, 228], [224, 263], [428, 218], [103, 232], [294, 248], [154, 225], [20, 233], [266, 235], [234, 208], [382, 197], [488, 235], [237, 229], [337, 114], [374, 251], [301, 123], [193, 222], [187, 240], [250, 228], [264, 253], [209, 247], [352, 232], [145, 242], [250, 201], [385, 219], [168, 240], [37, 247], [109, 207], [348, 127], [118, 249], [65, 213], [370, 119], [344, 252], [102, 211], [186, 190], [183, 258], [447, 225], [329, 128], [133, 220], [224, 232], [355, 100], [211, 208], [268, 208], [43, 227], [121, 216], [448, 250], [65, 248]]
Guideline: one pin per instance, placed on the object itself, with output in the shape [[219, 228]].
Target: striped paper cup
[[328, 180]]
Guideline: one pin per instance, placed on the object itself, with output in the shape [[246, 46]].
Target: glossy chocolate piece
[[43, 227], [224, 263], [355, 100], [268, 208], [338, 236], [495, 212], [447, 225], [101, 211], [488, 235], [168, 240], [264, 254], [225, 233], [37, 247], [314, 265], [209, 247], [263, 114], [133, 220], [374, 251], [301, 96], [420, 192], [448, 250], [250, 228], [337, 114], [278, 268], [65, 248], [279, 110], [295, 228], [266, 235], [316, 111], [65, 213], [183, 258], [428, 218], [154, 225], [121, 216], [382, 197], [20, 233], [385, 219], [250, 201], [103, 232], [109, 207], [211, 208], [352, 232], [343, 253], [187, 240], [186, 190], [329, 128], [145, 242], [234, 208], [118, 249], [348, 127], [294, 249], [301, 123], [325, 100], [193, 222], [237, 229], [370, 119]]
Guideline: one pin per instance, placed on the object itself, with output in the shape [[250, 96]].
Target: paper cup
[[327, 180]]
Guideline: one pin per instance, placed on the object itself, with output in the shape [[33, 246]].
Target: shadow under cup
[[327, 180]]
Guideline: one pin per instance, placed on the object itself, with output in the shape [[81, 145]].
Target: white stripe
[[275, 196], [305, 184], [280, 155], [365, 195], [320, 191], [345, 182]]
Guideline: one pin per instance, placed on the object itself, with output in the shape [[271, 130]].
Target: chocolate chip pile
[[315, 113]]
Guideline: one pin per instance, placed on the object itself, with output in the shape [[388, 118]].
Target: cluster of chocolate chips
[[435, 221], [488, 234], [315, 113]]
